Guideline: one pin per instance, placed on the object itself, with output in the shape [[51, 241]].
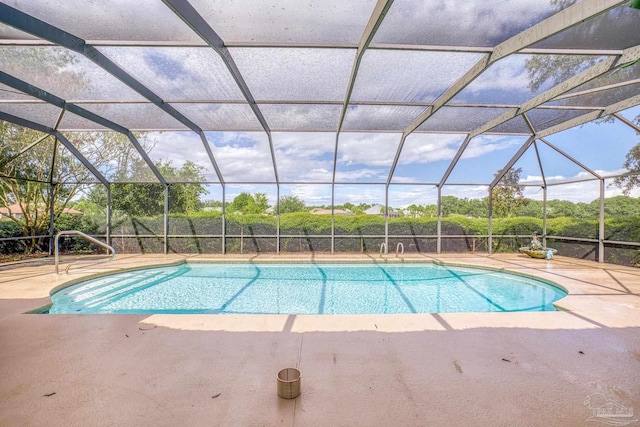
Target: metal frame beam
[[568, 157], [597, 89], [44, 129], [8, 160], [585, 118], [569, 17], [377, 15], [49, 98], [511, 162], [544, 178], [601, 234], [186, 12], [319, 45], [627, 122], [453, 163], [589, 74], [43, 30]]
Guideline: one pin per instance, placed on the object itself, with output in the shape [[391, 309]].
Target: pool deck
[[467, 369]]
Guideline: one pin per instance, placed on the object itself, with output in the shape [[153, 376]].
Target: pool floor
[[306, 288]]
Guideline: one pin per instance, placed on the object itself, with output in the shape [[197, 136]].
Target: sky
[[308, 157]]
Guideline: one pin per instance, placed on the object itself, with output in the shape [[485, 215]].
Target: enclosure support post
[[166, 218], [278, 219], [439, 225], [333, 225], [52, 224], [108, 228], [544, 217], [386, 220], [601, 224], [224, 220], [490, 238], [52, 191]]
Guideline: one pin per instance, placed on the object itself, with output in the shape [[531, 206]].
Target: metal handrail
[[56, 251], [398, 246], [383, 246]]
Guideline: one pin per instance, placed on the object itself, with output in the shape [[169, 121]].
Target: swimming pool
[[307, 289]]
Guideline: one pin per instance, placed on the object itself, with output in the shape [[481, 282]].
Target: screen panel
[[299, 74], [64, 73], [113, 155], [379, 117], [301, 117], [288, 21], [217, 117], [242, 156], [596, 33], [460, 119], [139, 116], [174, 74], [588, 143], [305, 156], [365, 157], [476, 23], [142, 20], [44, 114], [484, 157], [425, 157], [518, 78], [180, 156], [408, 76]]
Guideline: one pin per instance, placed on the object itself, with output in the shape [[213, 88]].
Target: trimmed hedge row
[[296, 231]]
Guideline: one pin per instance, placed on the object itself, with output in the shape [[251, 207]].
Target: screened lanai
[[161, 126]]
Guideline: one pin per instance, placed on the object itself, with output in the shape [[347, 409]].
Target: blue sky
[[367, 157]]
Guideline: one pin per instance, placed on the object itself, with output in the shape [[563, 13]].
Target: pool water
[[307, 289]]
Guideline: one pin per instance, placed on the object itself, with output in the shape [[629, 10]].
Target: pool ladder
[[56, 251], [399, 246]]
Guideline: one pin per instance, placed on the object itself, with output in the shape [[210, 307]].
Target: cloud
[[399, 75], [202, 74], [505, 82], [428, 148], [178, 147], [303, 156], [584, 191], [242, 156], [485, 144], [310, 194], [370, 149], [476, 23]]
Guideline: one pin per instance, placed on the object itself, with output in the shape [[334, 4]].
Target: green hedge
[[350, 234]]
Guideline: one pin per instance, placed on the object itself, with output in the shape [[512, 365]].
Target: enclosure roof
[[325, 92]]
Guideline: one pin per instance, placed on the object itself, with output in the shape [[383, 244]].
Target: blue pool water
[[307, 289]]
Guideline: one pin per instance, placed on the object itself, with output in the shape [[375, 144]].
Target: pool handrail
[[383, 246], [56, 252], [398, 246]]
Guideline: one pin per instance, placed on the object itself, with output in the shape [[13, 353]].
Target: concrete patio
[[540, 369]]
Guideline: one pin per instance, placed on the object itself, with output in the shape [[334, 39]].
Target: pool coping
[[556, 272]]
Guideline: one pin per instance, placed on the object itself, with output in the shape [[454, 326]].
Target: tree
[[147, 199], [245, 203], [32, 180], [632, 164], [451, 205], [508, 194], [414, 211], [290, 204]]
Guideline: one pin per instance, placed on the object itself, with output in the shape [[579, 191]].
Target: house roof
[[16, 209]]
